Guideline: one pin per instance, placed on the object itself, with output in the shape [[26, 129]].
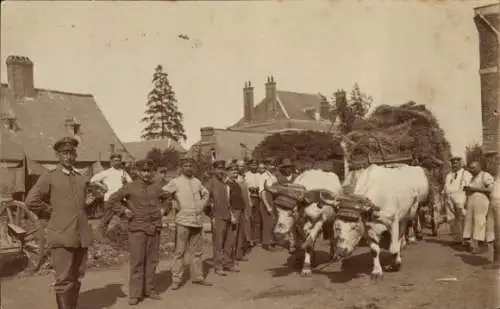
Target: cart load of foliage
[[407, 133], [300, 147]]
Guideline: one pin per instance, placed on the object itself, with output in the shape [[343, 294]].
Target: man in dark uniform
[[224, 222], [144, 209], [68, 231]]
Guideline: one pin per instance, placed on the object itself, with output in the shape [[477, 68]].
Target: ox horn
[[330, 202]]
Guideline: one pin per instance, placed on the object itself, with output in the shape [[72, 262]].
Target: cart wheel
[[33, 243]]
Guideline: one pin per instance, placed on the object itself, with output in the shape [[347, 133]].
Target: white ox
[[301, 202], [383, 199]]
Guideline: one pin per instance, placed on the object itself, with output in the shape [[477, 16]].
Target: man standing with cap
[[224, 224], [114, 178], [242, 197], [455, 197], [191, 198], [267, 212], [68, 231], [145, 209]]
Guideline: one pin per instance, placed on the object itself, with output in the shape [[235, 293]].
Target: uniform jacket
[[66, 192], [145, 202], [219, 195]]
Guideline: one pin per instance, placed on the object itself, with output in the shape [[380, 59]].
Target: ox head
[[349, 226], [292, 201]]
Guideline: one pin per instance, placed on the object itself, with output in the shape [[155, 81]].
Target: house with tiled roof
[[281, 110], [33, 119], [140, 149]]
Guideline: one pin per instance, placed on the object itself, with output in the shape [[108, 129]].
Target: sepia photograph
[[250, 154]]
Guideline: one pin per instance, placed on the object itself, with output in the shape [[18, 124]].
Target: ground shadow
[[294, 262], [447, 243], [473, 260], [164, 278], [102, 297], [357, 266]]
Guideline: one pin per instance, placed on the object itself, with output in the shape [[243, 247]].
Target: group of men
[[231, 197], [468, 193]]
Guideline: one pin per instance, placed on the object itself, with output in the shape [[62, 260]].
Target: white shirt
[[252, 179], [455, 181], [266, 176], [112, 178], [483, 180]]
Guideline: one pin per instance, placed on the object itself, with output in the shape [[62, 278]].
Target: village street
[[268, 281]]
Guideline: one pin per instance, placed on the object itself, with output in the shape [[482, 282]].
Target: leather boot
[[63, 300]]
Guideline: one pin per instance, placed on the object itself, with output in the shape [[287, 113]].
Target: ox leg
[[395, 247], [306, 266], [313, 235], [377, 271]]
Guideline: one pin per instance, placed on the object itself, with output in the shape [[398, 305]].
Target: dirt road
[[269, 280]]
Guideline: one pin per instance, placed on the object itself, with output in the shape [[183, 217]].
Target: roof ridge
[[296, 92], [5, 85]]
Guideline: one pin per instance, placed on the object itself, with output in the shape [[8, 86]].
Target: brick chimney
[[20, 76], [207, 134], [487, 21], [248, 102], [324, 108], [271, 94]]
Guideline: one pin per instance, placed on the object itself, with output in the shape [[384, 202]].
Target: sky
[[396, 51]]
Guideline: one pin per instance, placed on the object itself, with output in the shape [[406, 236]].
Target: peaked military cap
[[66, 144], [116, 155]]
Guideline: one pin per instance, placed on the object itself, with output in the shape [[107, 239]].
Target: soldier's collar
[[73, 170]]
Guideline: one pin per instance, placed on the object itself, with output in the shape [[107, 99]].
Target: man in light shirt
[[252, 179], [455, 197], [114, 177], [191, 199]]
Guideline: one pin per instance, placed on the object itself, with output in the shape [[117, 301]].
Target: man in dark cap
[[191, 198], [224, 222], [144, 209], [63, 191]]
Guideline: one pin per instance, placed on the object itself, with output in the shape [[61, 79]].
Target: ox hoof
[[395, 267], [306, 273], [376, 275]]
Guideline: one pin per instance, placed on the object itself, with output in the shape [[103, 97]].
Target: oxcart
[[22, 238]]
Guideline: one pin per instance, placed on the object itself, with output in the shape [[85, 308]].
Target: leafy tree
[[474, 153], [162, 116], [168, 158], [352, 110]]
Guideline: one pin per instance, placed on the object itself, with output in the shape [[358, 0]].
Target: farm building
[[487, 21], [140, 149], [278, 111], [32, 119]]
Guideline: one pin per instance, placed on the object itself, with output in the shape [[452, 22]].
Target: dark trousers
[[256, 221], [224, 238], [69, 265], [268, 223], [242, 236], [144, 256]]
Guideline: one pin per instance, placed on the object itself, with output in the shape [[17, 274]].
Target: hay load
[[408, 133]]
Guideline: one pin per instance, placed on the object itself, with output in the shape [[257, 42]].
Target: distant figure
[[455, 197], [477, 206], [252, 179]]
